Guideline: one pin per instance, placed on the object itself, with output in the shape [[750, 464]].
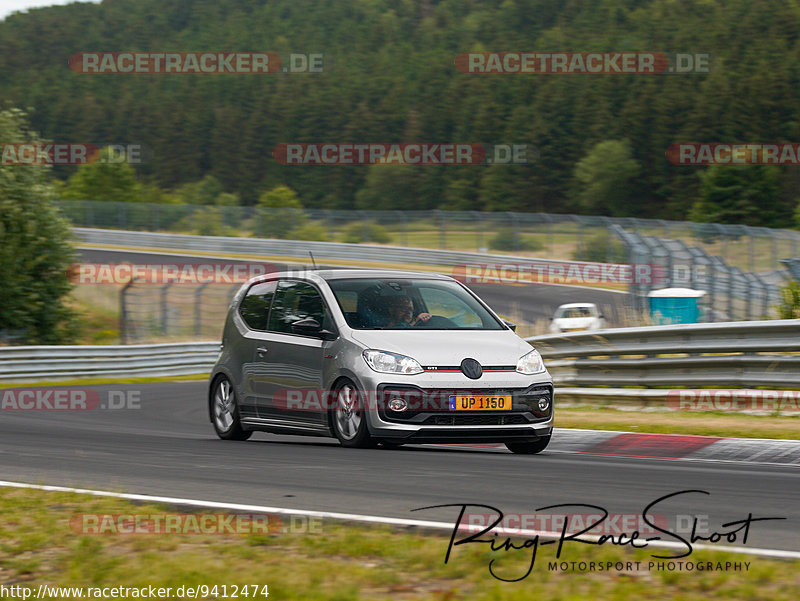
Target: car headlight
[[391, 363], [531, 363]]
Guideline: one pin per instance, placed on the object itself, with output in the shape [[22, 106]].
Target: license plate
[[480, 403]]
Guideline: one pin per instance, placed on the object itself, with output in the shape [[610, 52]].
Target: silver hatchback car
[[376, 357]]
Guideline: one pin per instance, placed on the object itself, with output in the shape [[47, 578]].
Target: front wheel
[[225, 412], [529, 448], [349, 417]]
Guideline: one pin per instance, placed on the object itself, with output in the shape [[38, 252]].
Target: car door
[[254, 311], [291, 394]]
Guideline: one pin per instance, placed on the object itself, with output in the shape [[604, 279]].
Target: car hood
[[575, 322], [448, 348]]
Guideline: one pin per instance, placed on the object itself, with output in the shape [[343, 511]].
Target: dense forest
[[390, 76]]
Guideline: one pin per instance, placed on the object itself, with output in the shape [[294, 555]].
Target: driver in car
[[401, 313]]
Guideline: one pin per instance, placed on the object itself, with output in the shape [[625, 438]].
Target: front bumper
[[430, 420]]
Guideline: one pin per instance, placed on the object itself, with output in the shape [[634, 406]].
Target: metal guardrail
[[735, 354], [747, 354], [32, 363]]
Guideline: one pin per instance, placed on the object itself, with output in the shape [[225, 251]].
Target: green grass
[[343, 562], [97, 308]]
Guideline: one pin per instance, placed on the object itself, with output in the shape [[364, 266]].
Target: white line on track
[[372, 519]]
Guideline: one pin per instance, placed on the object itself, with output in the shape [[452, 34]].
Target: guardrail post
[[123, 312], [198, 319], [164, 307], [749, 309], [712, 286], [773, 247]]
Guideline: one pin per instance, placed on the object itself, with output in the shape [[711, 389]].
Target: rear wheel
[[349, 417], [225, 412], [529, 448]]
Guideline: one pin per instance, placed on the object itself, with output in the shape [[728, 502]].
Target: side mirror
[[511, 325], [311, 327], [306, 327]]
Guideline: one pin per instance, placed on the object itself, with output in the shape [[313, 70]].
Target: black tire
[[348, 418], [529, 448], [225, 412]]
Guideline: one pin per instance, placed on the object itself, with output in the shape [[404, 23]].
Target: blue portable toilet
[[675, 305]]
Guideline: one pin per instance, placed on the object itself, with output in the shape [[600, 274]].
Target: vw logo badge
[[471, 368]]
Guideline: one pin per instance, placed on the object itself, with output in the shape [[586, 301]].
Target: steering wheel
[[437, 321]]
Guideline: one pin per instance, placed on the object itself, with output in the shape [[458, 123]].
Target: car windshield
[[405, 303], [570, 312]]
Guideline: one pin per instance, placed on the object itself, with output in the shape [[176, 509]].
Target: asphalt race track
[[167, 447]]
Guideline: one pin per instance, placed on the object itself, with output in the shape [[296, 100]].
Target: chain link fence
[[173, 311], [741, 268]]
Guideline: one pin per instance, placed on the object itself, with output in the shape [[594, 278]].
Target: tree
[[108, 178], [746, 194], [603, 179], [203, 192], [392, 187], [790, 301], [279, 212], [35, 253]]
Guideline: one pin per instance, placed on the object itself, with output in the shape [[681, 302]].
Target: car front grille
[[475, 420]]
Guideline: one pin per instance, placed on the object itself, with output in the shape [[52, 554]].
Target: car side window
[[295, 301], [255, 305]]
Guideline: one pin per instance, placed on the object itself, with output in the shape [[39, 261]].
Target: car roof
[[343, 274], [576, 305], [346, 273]]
